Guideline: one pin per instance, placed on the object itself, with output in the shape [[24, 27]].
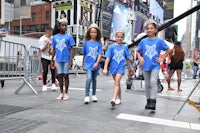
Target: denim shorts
[[62, 67]]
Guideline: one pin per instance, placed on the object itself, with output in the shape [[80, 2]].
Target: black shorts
[[175, 66]]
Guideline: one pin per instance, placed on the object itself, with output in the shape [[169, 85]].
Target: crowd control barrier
[[19, 62]]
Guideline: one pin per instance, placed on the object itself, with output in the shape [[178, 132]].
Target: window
[[43, 27], [33, 17], [32, 28], [47, 15], [16, 30], [22, 2]]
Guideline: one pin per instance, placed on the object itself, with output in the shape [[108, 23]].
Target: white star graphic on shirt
[[118, 55], [151, 51], [60, 44], [93, 52]]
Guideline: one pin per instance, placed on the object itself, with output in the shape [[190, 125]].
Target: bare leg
[[66, 77], [60, 79], [169, 78], [179, 79], [117, 88]]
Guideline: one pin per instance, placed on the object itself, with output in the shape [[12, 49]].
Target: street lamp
[[20, 24]]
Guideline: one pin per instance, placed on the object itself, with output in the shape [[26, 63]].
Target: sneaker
[[44, 88], [117, 101], [113, 102], [94, 98], [193, 79], [86, 100], [53, 87]]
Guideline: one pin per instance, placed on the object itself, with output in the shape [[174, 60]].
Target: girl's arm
[[130, 65], [97, 62], [53, 55], [168, 51], [83, 62], [140, 58], [71, 57], [105, 69]]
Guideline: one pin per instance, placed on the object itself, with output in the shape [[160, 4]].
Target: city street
[[42, 113]]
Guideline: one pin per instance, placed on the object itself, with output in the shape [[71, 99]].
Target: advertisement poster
[[85, 14], [62, 10], [156, 12], [141, 13], [120, 21], [139, 28], [107, 9], [168, 9]]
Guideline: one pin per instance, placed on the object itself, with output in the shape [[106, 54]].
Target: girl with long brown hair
[[176, 64], [92, 52]]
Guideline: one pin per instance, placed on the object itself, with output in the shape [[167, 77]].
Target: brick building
[[34, 24]]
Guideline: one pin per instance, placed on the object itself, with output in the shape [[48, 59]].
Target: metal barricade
[[14, 63], [35, 66]]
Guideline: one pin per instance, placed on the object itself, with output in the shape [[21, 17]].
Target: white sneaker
[[87, 100], [117, 101], [44, 88], [194, 80], [53, 87], [94, 98]]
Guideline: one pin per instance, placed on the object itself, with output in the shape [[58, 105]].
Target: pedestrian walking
[[164, 69], [148, 52], [134, 63], [20, 61], [117, 55], [44, 44], [92, 52], [62, 43], [195, 67], [177, 58]]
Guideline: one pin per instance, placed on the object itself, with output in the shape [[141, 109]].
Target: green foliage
[[188, 65]]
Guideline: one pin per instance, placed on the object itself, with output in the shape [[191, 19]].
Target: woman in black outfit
[[176, 64]]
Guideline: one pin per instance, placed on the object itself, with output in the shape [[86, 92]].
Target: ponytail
[[56, 29]]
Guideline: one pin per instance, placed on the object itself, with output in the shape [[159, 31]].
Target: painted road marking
[[80, 89], [159, 121]]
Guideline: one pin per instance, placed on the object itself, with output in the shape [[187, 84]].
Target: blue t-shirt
[[91, 50], [117, 55], [150, 49], [62, 44]]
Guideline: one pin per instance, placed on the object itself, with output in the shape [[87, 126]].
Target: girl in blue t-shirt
[[117, 55], [150, 60], [62, 43], [92, 51]]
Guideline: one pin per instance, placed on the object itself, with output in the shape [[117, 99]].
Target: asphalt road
[[42, 113]]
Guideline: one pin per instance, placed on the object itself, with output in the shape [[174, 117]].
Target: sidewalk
[[186, 85]]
